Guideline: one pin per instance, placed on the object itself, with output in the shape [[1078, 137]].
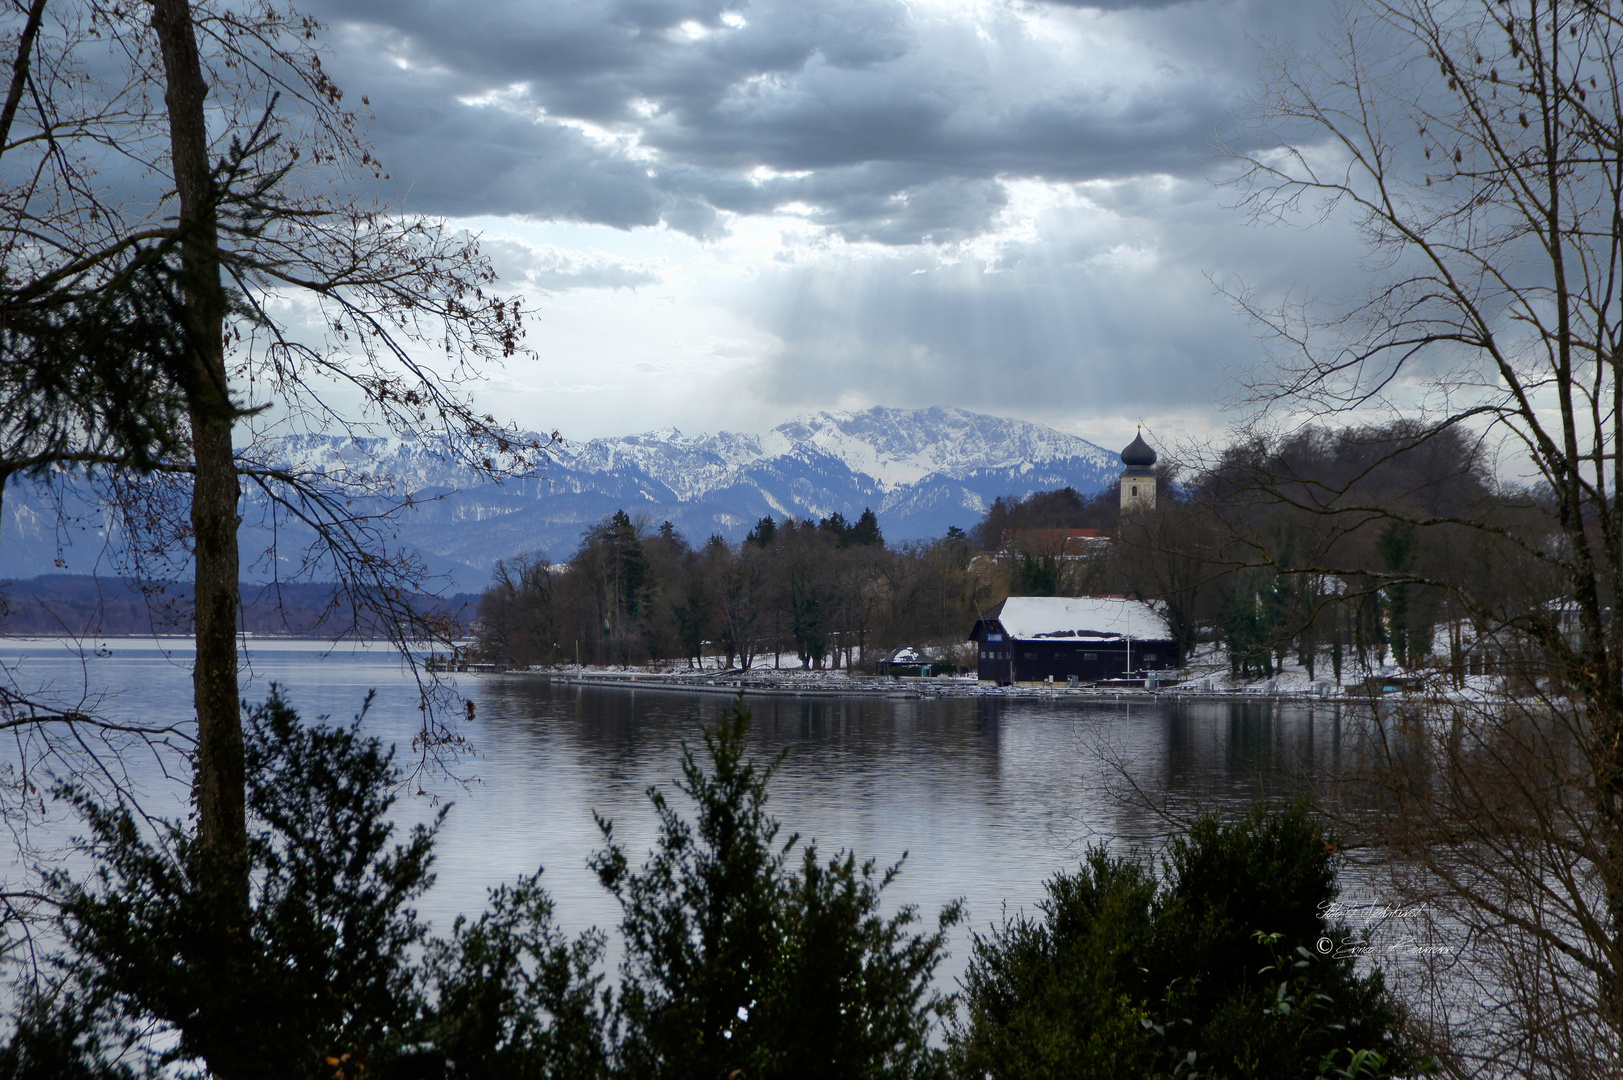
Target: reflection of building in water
[[1138, 479], [1037, 639]]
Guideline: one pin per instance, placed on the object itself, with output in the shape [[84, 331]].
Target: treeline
[[829, 592], [745, 953], [1347, 548], [1343, 549]]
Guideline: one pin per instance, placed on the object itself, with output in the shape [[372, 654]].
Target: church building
[[1138, 479]]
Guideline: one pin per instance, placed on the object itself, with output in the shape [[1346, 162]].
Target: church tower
[[1138, 479]]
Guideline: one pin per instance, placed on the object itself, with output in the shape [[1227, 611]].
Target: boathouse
[[1028, 640]]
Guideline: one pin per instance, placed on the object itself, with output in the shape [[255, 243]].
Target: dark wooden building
[[1028, 640]]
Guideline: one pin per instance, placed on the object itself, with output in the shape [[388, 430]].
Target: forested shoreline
[[1299, 547]]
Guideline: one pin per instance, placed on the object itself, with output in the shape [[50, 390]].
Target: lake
[[986, 797]]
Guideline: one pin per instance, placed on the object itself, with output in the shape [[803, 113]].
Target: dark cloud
[[1100, 314], [895, 127], [487, 161]]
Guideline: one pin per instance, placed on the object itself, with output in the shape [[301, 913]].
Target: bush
[[738, 965], [747, 956], [513, 998], [1211, 971], [320, 974]]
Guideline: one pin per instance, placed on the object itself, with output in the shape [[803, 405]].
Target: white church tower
[[1138, 479]]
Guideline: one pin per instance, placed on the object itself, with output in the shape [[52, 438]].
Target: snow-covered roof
[[1080, 617]]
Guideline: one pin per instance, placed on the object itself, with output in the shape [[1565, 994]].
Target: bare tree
[[1478, 146], [195, 156], [1171, 555]]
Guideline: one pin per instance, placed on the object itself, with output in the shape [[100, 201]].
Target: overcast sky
[[729, 212]]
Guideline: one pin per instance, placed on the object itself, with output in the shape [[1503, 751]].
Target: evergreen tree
[[327, 948], [514, 999], [866, 530], [738, 965], [1216, 970], [836, 527], [764, 531]]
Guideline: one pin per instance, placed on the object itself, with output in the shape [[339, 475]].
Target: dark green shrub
[[1050, 997], [62, 1036], [739, 966], [512, 997], [319, 977], [1213, 971]]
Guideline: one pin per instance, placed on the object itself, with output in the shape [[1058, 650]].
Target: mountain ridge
[[920, 470]]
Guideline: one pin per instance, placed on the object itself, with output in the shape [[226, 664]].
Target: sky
[[726, 213]]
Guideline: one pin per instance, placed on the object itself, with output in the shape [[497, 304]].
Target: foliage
[[746, 953], [1125, 974], [737, 961], [1259, 574], [321, 969], [1063, 508], [517, 616], [512, 998], [824, 591], [177, 170], [93, 372], [66, 1035], [865, 531]]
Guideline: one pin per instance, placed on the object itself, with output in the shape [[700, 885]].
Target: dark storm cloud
[[1099, 314], [502, 164], [905, 128]]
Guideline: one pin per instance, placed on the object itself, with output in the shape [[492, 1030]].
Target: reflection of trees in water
[[1229, 753], [1067, 758], [990, 796], [857, 734]]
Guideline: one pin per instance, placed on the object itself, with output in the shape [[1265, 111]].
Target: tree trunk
[[218, 786]]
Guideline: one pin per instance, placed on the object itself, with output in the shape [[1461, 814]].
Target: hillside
[[77, 605]]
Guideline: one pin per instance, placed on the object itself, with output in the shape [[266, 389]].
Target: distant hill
[[77, 605], [920, 470]]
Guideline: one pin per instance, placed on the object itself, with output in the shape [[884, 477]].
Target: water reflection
[[987, 797]]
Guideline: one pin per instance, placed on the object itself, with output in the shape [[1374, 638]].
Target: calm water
[[986, 798]]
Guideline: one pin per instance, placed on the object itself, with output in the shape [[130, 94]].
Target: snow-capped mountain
[[919, 470]]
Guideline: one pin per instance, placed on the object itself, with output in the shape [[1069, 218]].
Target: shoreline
[[906, 687], [797, 682]]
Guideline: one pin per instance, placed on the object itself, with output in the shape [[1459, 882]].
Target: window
[[1135, 491], [1090, 656]]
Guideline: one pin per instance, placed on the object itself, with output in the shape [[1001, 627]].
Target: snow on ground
[[1207, 673]]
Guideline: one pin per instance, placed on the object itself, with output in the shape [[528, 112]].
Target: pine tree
[[736, 960]]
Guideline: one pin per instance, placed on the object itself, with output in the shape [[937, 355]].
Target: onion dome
[[1138, 454]]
